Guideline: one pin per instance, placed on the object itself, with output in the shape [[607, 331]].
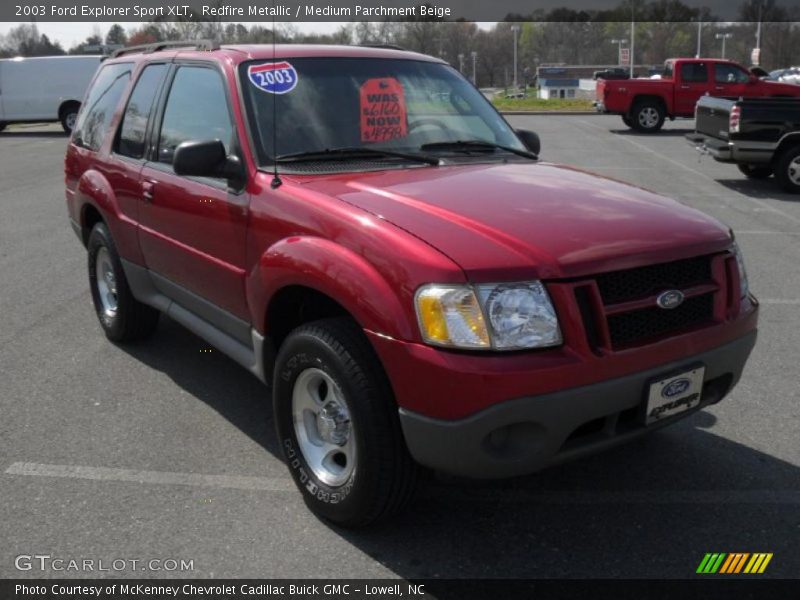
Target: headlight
[[744, 286], [509, 316]]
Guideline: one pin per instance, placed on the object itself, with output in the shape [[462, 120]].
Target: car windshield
[[378, 109]]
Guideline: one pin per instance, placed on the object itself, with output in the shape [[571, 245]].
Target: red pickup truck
[[360, 228], [645, 103]]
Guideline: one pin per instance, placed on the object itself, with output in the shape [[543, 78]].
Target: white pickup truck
[[44, 88]]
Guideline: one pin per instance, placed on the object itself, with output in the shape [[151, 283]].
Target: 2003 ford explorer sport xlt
[[361, 229]]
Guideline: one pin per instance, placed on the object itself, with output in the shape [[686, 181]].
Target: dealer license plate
[[674, 395]]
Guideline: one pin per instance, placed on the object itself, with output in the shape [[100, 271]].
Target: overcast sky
[[70, 34]]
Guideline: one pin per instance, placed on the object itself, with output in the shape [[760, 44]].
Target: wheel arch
[[640, 98], [66, 104], [97, 201], [787, 141], [315, 277]]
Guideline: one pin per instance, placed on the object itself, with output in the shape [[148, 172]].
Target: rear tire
[[122, 317], [627, 120], [69, 116], [2, 125], [787, 170], [755, 171], [648, 116], [338, 425]]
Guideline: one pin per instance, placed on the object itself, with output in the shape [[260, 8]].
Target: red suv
[[361, 230]]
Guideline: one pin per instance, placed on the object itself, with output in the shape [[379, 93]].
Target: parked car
[[760, 135], [416, 286], [612, 73], [791, 75], [44, 88], [644, 104]]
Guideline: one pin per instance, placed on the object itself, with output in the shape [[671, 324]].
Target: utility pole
[[633, 34], [758, 31], [461, 62], [723, 37], [474, 65], [699, 38], [515, 30]]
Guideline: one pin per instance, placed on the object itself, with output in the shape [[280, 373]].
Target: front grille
[[649, 323], [645, 281], [600, 302]]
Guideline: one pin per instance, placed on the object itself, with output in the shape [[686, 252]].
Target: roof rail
[[207, 45], [382, 46]]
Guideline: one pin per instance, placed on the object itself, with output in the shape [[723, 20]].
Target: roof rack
[[382, 46], [206, 45]]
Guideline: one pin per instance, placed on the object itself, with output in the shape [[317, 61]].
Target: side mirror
[[530, 139], [206, 158]]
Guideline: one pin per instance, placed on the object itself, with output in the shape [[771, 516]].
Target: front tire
[[755, 171], [648, 116], [338, 427], [627, 120], [3, 125], [122, 317], [787, 170]]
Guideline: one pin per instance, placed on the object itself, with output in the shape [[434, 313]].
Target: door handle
[[720, 88], [684, 87], [148, 189]]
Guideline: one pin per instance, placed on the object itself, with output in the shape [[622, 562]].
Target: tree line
[[664, 28]]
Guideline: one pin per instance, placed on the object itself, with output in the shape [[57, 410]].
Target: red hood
[[521, 219]]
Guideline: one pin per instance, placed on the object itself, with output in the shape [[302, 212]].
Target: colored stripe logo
[[734, 563]]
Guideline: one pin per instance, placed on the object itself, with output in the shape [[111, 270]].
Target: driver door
[[193, 229]]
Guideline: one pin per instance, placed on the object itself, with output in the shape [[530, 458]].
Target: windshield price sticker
[[383, 110], [273, 78]]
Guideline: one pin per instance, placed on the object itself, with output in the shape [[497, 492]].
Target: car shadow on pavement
[[650, 508], [32, 135], [211, 377], [759, 188], [663, 133]]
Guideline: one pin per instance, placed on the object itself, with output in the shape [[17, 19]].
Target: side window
[[729, 74], [97, 110], [134, 121], [694, 72], [197, 109]]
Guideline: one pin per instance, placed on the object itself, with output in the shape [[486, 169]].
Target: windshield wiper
[[468, 145], [355, 152]]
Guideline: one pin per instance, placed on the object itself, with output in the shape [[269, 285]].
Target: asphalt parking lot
[[165, 450]]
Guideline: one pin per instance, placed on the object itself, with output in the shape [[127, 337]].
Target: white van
[[47, 88]]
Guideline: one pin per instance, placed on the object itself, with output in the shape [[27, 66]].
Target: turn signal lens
[[451, 316]]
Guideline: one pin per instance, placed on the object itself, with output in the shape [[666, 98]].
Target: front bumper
[[527, 434]]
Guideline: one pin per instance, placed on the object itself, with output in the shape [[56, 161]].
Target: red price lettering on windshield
[[383, 110]]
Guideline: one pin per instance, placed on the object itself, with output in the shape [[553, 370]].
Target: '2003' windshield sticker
[[274, 77], [383, 110]]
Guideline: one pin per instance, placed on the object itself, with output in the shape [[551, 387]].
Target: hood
[[501, 221]]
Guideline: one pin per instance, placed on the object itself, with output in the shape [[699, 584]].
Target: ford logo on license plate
[[676, 388]]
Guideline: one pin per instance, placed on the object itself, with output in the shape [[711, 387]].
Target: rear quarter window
[[101, 102], [134, 122]]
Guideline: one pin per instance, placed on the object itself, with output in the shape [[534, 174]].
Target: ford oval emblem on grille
[[670, 299], [674, 388]]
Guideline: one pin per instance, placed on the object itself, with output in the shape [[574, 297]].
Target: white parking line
[[508, 496], [238, 482]]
